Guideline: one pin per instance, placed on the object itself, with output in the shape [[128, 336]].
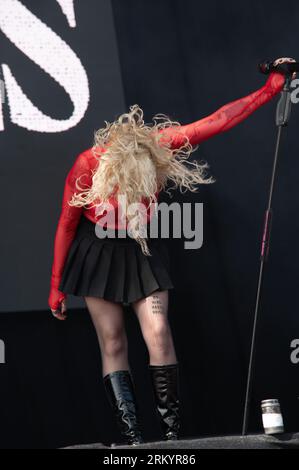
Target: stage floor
[[256, 441]]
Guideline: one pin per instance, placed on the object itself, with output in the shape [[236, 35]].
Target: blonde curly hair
[[138, 162]]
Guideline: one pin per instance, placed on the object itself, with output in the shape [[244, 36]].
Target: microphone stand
[[283, 111]]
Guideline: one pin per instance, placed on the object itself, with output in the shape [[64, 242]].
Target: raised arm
[[67, 226], [225, 117]]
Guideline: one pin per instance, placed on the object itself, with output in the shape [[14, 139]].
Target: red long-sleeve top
[[222, 120]]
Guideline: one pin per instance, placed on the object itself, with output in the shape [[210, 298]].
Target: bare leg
[[152, 316], [108, 320]]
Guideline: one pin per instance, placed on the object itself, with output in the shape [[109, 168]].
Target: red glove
[[225, 117], [67, 225], [55, 297]]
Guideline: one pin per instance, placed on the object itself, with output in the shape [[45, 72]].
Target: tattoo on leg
[[157, 306]]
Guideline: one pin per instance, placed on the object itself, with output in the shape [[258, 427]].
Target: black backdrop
[[184, 59], [35, 163]]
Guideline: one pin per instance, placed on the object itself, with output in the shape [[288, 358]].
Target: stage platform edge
[[252, 441]]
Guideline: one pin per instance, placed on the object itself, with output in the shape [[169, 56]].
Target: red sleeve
[[67, 225], [226, 117]]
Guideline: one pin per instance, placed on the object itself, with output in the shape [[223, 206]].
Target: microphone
[[287, 68]]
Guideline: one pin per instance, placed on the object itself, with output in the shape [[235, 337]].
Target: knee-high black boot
[[120, 391], [165, 381]]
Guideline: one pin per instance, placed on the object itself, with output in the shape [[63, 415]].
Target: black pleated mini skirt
[[114, 269]]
